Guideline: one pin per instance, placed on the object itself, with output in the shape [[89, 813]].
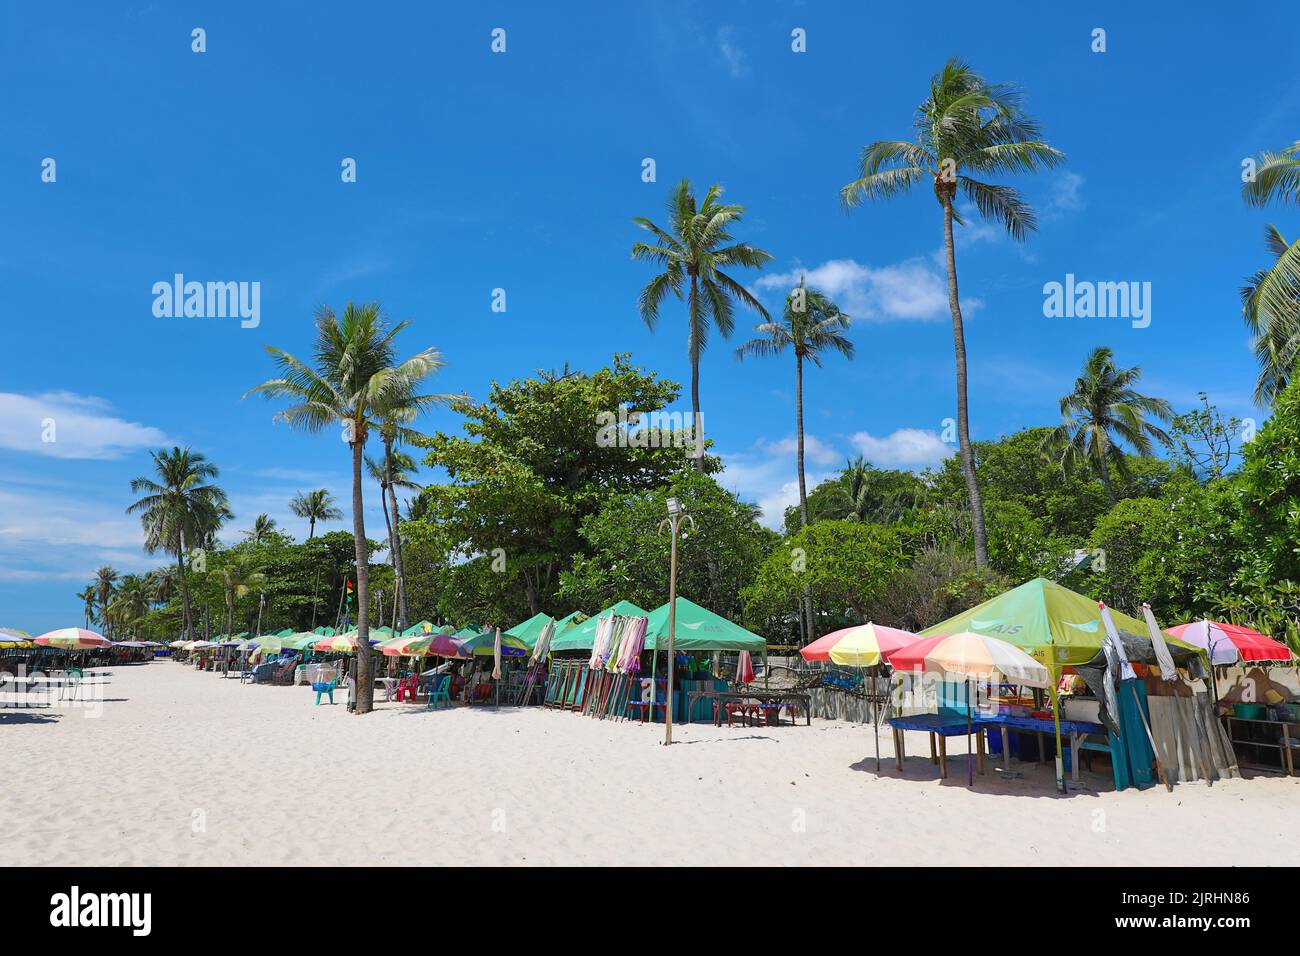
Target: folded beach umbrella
[[72, 639], [1230, 643], [865, 645]]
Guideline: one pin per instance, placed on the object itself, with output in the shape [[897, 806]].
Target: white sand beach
[[188, 768]]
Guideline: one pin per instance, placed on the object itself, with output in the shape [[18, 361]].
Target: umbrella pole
[[875, 713], [970, 771], [1056, 722]]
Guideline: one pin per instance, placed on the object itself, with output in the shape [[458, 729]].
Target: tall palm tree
[[162, 583], [1102, 411], [693, 252], [238, 577], [88, 596], [180, 510], [394, 473], [354, 376], [105, 585], [262, 531], [965, 126], [315, 506], [1271, 298], [810, 325]]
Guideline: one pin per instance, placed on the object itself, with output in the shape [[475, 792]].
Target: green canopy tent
[[581, 637], [699, 629], [1056, 626], [530, 630]]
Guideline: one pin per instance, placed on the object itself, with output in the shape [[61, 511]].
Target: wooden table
[[940, 726], [762, 696]]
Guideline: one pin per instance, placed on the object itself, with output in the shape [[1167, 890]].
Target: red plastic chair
[[406, 688]]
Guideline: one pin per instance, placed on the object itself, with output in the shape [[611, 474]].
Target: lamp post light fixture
[[674, 520]]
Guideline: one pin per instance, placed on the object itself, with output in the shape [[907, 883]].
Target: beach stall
[[592, 668], [1260, 708], [1071, 634]]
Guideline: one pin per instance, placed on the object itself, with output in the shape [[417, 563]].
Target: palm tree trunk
[[186, 623], [365, 689], [697, 420], [395, 540], [311, 528], [963, 418], [803, 487]]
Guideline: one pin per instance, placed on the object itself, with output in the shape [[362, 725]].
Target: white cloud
[[814, 449], [911, 448], [911, 290], [767, 475], [731, 53], [66, 425], [1067, 195]]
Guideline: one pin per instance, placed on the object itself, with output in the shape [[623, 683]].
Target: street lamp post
[[674, 520]]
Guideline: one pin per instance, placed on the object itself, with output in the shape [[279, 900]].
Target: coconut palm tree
[[693, 252], [105, 585], [393, 473], [180, 510], [262, 531], [131, 602], [1103, 411], [315, 506], [88, 597], [162, 583], [238, 577], [810, 325], [1270, 305], [353, 378], [966, 127]]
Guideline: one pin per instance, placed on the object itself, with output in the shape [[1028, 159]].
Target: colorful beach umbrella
[[972, 656], [72, 639], [1232, 643], [865, 645], [12, 637]]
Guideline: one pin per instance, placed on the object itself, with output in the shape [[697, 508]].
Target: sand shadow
[[25, 717]]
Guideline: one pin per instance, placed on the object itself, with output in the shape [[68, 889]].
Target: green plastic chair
[[324, 689], [440, 690]]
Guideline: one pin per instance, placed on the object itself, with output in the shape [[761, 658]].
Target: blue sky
[[522, 170]]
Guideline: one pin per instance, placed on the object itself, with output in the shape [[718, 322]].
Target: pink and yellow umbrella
[[72, 639], [864, 645]]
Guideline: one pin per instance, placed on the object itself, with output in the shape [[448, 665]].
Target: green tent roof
[[579, 638], [1051, 623], [530, 630], [699, 629]]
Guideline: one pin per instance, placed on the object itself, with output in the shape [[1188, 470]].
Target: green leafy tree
[[180, 509], [538, 456], [844, 564], [263, 529], [356, 373], [1102, 414], [694, 252], [965, 128], [626, 558], [1204, 441]]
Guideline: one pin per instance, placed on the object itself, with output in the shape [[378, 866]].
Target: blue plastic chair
[[323, 689]]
